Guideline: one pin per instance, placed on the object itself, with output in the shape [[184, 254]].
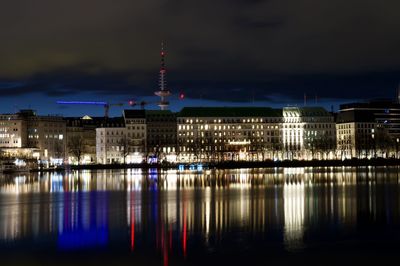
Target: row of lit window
[[8, 124], [224, 127], [207, 148], [317, 119], [292, 120], [309, 126], [6, 129], [343, 132], [248, 120], [222, 140], [8, 142], [58, 136], [244, 133]]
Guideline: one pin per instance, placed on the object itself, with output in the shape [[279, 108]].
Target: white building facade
[[110, 145], [308, 133]]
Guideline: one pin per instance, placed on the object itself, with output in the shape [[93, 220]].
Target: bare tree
[[276, 148], [76, 147], [124, 144], [321, 144], [327, 145], [384, 142]]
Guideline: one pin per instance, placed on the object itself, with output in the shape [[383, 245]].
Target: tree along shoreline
[[234, 165]]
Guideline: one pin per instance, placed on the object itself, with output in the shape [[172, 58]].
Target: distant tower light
[[132, 102], [181, 95]]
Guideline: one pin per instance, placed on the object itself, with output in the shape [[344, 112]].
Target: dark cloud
[[227, 50], [250, 23]]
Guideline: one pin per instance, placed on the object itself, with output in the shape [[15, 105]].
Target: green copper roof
[[230, 112]]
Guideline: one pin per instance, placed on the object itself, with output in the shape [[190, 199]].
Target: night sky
[[220, 52]]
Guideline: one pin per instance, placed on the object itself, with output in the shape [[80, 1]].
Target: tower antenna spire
[[163, 91]]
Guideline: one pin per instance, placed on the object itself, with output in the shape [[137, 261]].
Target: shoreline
[[233, 165]]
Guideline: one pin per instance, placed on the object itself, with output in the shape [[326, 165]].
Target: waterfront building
[[81, 139], [205, 134], [228, 133], [308, 133], [112, 144], [47, 133], [161, 134], [136, 133], [370, 129], [152, 134], [13, 133], [26, 134]]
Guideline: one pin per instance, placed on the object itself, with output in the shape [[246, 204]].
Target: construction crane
[[104, 104], [143, 103]]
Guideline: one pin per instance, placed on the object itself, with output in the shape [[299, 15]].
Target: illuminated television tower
[[163, 93]]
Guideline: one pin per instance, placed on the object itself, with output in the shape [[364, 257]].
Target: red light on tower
[[131, 102], [181, 96]]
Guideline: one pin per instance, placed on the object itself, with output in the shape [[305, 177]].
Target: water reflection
[[169, 210]]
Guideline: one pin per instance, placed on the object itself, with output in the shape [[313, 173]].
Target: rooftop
[[381, 104], [131, 113], [355, 116], [229, 112], [308, 111]]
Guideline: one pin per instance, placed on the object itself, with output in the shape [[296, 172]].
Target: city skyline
[[51, 107], [187, 132]]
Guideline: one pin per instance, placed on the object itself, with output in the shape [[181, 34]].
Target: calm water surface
[[285, 216]]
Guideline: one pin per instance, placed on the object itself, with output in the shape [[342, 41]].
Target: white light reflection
[[212, 202], [134, 178], [170, 178], [207, 205], [293, 197]]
